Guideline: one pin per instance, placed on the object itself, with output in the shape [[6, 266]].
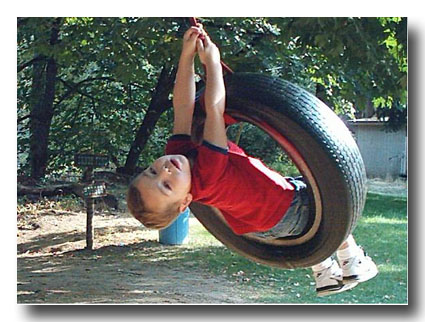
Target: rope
[[194, 22]]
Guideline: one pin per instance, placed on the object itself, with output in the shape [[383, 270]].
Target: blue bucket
[[178, 232]]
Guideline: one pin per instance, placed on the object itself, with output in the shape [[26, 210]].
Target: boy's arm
[[215, 94], [184, 87]]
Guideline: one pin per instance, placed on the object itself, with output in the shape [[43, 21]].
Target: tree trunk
[[43, 94], [158, 105], [321, 94]]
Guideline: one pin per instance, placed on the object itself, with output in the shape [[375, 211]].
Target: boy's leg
[[328, 278], [356, 266]]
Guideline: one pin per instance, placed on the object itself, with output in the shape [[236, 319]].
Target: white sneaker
[[358, 269], [330, 280]]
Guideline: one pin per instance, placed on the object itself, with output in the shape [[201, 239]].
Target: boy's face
[[166, 181]]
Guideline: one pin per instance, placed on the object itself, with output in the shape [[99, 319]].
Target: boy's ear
[[186, 202]]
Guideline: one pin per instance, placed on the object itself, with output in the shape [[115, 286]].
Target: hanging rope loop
[[194, 22]]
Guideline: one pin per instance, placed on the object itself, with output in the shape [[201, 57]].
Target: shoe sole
[[343, 288], [360, 278]]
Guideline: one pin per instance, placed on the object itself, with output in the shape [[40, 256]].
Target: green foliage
[[361, 59], [107, 68]]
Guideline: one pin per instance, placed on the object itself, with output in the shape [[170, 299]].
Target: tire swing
[[323, 150]]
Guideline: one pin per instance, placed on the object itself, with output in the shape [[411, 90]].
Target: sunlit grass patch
[[381, 231]]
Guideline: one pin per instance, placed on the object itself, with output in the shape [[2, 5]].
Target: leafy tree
[[103, 86], [105, 93]]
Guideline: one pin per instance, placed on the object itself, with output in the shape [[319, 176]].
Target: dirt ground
[[395, 188], [127, 265]]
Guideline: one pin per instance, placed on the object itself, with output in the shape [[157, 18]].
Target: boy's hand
[[189, 41], [208, 52]]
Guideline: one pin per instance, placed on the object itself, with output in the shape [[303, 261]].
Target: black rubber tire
[[324, 151]]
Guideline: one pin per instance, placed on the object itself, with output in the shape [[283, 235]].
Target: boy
[[251, 197]]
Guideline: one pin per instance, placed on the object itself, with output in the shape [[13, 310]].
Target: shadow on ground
[[144, 272]]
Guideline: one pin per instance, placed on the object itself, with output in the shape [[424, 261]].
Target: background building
[[384, 153]]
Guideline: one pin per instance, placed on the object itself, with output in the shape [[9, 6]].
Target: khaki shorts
[[296, 217]]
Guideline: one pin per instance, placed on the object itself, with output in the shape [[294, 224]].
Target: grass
[[382, 231]]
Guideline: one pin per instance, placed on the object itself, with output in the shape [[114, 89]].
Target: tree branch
[[73, 88], [23, 118], [30, 62]]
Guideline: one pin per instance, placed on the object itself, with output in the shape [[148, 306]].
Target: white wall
[[383, 152]]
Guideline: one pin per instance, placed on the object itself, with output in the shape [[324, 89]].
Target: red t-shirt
[[251, 196]]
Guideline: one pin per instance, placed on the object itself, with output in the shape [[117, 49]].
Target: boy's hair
[[148, 218]]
